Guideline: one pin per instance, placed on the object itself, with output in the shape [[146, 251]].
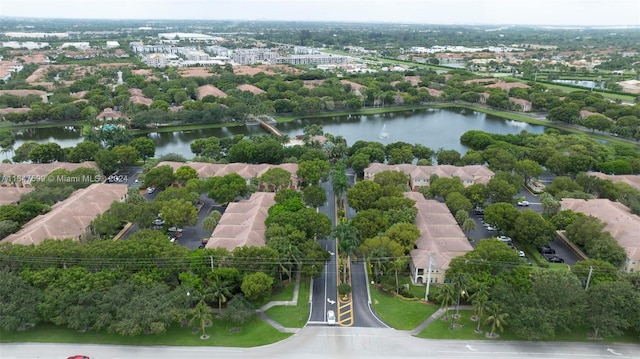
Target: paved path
[[261, 311], [436, 316]]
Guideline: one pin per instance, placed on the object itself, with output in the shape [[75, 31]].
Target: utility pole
[[426, 294], [589, 278]]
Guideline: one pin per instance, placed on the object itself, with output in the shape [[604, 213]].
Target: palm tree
[[497, 318], [201, 316], [461, 283], [378, 255], [398, 264], [220, 290], [348, 241], [479, 306], [468, 225], [446, 296]]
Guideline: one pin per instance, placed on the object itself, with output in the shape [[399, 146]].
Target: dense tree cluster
[[542, 303]]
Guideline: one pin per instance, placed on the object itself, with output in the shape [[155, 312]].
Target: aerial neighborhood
[[240, 182]]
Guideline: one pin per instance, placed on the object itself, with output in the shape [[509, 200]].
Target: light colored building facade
[[441, 240], [245, 170], [320, 59], [70, 218], [420, 176], [620, 222]]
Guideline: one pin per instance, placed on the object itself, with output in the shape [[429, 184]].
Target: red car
[[79, 357]]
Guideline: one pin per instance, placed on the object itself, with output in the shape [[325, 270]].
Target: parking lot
[[481, 232]]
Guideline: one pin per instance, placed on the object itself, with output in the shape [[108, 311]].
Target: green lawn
[[223, 333], [284, 293], [400, 314], [293, 316], [440, 329]]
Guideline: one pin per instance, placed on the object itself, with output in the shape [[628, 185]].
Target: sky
[[466, 12]]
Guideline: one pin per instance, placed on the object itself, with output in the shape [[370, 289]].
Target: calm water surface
[[434, 128]]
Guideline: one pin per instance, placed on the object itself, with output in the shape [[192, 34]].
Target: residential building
[[631, 180], [210, 90], [11, 195], [22, 174], [320, 59], [620, 222], [522, 105], [156, 60], [245, 170], [219, 51], [23, 93], [253, 56], [441, 240], [420, 176], [70, 218], [242, 223], [109, 114], [7, 68]]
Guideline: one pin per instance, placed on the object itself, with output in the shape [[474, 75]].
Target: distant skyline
[[471, 12]]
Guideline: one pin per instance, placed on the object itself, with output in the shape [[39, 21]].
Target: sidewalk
[[261, 311], [434, 317]]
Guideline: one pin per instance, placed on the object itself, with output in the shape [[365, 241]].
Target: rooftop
[[621, 223], [242, 223], [440, 235], [71, 217]]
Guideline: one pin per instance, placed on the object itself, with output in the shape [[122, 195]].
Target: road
[[325, 288], [338, 342]]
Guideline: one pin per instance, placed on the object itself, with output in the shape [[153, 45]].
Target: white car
[[331, 317], [521, 254], [491, 229], [175, 229], [504, 238], [150, 190], [523, 203]]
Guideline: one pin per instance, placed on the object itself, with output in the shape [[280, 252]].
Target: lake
[[434, 128]]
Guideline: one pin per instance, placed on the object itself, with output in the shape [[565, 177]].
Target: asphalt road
[[338, 342], [325, 287]]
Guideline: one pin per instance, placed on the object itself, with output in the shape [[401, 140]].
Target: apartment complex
[[70, 218], [420, 176], [441, 240], [620, 222], [242, 223], [245, 170]]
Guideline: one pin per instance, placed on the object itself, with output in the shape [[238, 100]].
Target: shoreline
[[531, 118]]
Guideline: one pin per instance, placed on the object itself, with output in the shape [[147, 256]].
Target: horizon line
[[324, 21]]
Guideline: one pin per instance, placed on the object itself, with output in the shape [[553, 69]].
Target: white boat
[[384, 133]]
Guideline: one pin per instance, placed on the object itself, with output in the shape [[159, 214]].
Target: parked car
[[555, 259], [521, 254], [78, 357], [479, 211], [547, 250], [158, 222], [175, 229], [331, 317], [504, 238], [491, 229], [150, 190], [523, 203]]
